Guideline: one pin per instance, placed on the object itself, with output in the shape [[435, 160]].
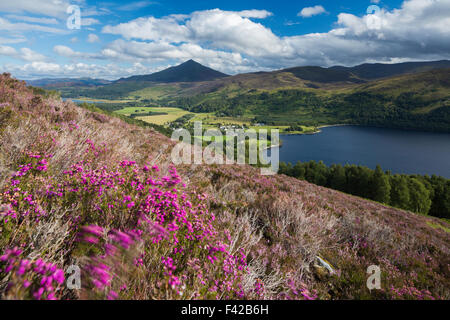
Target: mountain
[[67, 82], [189, 71], [379, 70], [323, 75], [82, 187]]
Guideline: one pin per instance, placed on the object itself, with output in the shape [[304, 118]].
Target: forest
[[421, 194]]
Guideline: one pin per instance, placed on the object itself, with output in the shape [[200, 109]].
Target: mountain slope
[[67, 82], [417, 101], [379, 70], [189, 71], [323, 75], [79, 187]]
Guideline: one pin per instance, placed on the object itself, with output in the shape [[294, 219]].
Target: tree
[[381, 187], [441, 201], [299, 171], [337, 179], [399, 191], [419, 195]]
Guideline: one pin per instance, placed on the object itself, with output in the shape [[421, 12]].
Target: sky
[[112, 39]]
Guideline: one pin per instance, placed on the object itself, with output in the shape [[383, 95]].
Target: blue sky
[[122, 38]]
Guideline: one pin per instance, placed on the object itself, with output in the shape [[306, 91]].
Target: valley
[[412, 96]]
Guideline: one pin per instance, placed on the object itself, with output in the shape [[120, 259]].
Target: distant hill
[[190, 71], [67, 82], [379, 70], [323, 75]]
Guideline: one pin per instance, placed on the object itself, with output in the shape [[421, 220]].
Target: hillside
[[67, 82], [189, 71], [417, 101], [374, 71], [82, 188]]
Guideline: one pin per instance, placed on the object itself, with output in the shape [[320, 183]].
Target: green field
[[172, 114], [154, 93]]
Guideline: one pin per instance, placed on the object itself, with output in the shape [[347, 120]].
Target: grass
[[438, 226], [172, 115], [153, 93]]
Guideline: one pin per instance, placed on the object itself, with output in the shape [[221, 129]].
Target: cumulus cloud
[[7, 51], [221, 29], [146, 52], [311, 11], [93, 38], [24, 54], [67, 52], [29, 55]]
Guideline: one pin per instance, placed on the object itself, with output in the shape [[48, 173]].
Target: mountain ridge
[[189, 71]]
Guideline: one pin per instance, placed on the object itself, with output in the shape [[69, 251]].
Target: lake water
[[396, 150], [82, 101]]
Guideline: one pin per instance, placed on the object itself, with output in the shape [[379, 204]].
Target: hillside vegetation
[[79, 187]]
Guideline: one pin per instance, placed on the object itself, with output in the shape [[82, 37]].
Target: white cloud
[[93, 38], [257, 14], [7, 51], [24, 54], [89, 21], [148, 52], [221, 29], [52, 8], [67, 52], [30, 55], [22, 27], [111, 71], [311, 11], [17, 39], [33, 19]]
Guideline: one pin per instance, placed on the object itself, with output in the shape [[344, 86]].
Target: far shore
[[319, 129]]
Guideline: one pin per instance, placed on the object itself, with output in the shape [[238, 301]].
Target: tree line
[[416, 193]]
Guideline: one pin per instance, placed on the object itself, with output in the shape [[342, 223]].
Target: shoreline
[[319, 129]]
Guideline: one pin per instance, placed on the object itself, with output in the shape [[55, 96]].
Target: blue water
[[396, 150], [82, 101]]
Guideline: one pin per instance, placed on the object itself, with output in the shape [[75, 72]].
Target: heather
[[81, 188]]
